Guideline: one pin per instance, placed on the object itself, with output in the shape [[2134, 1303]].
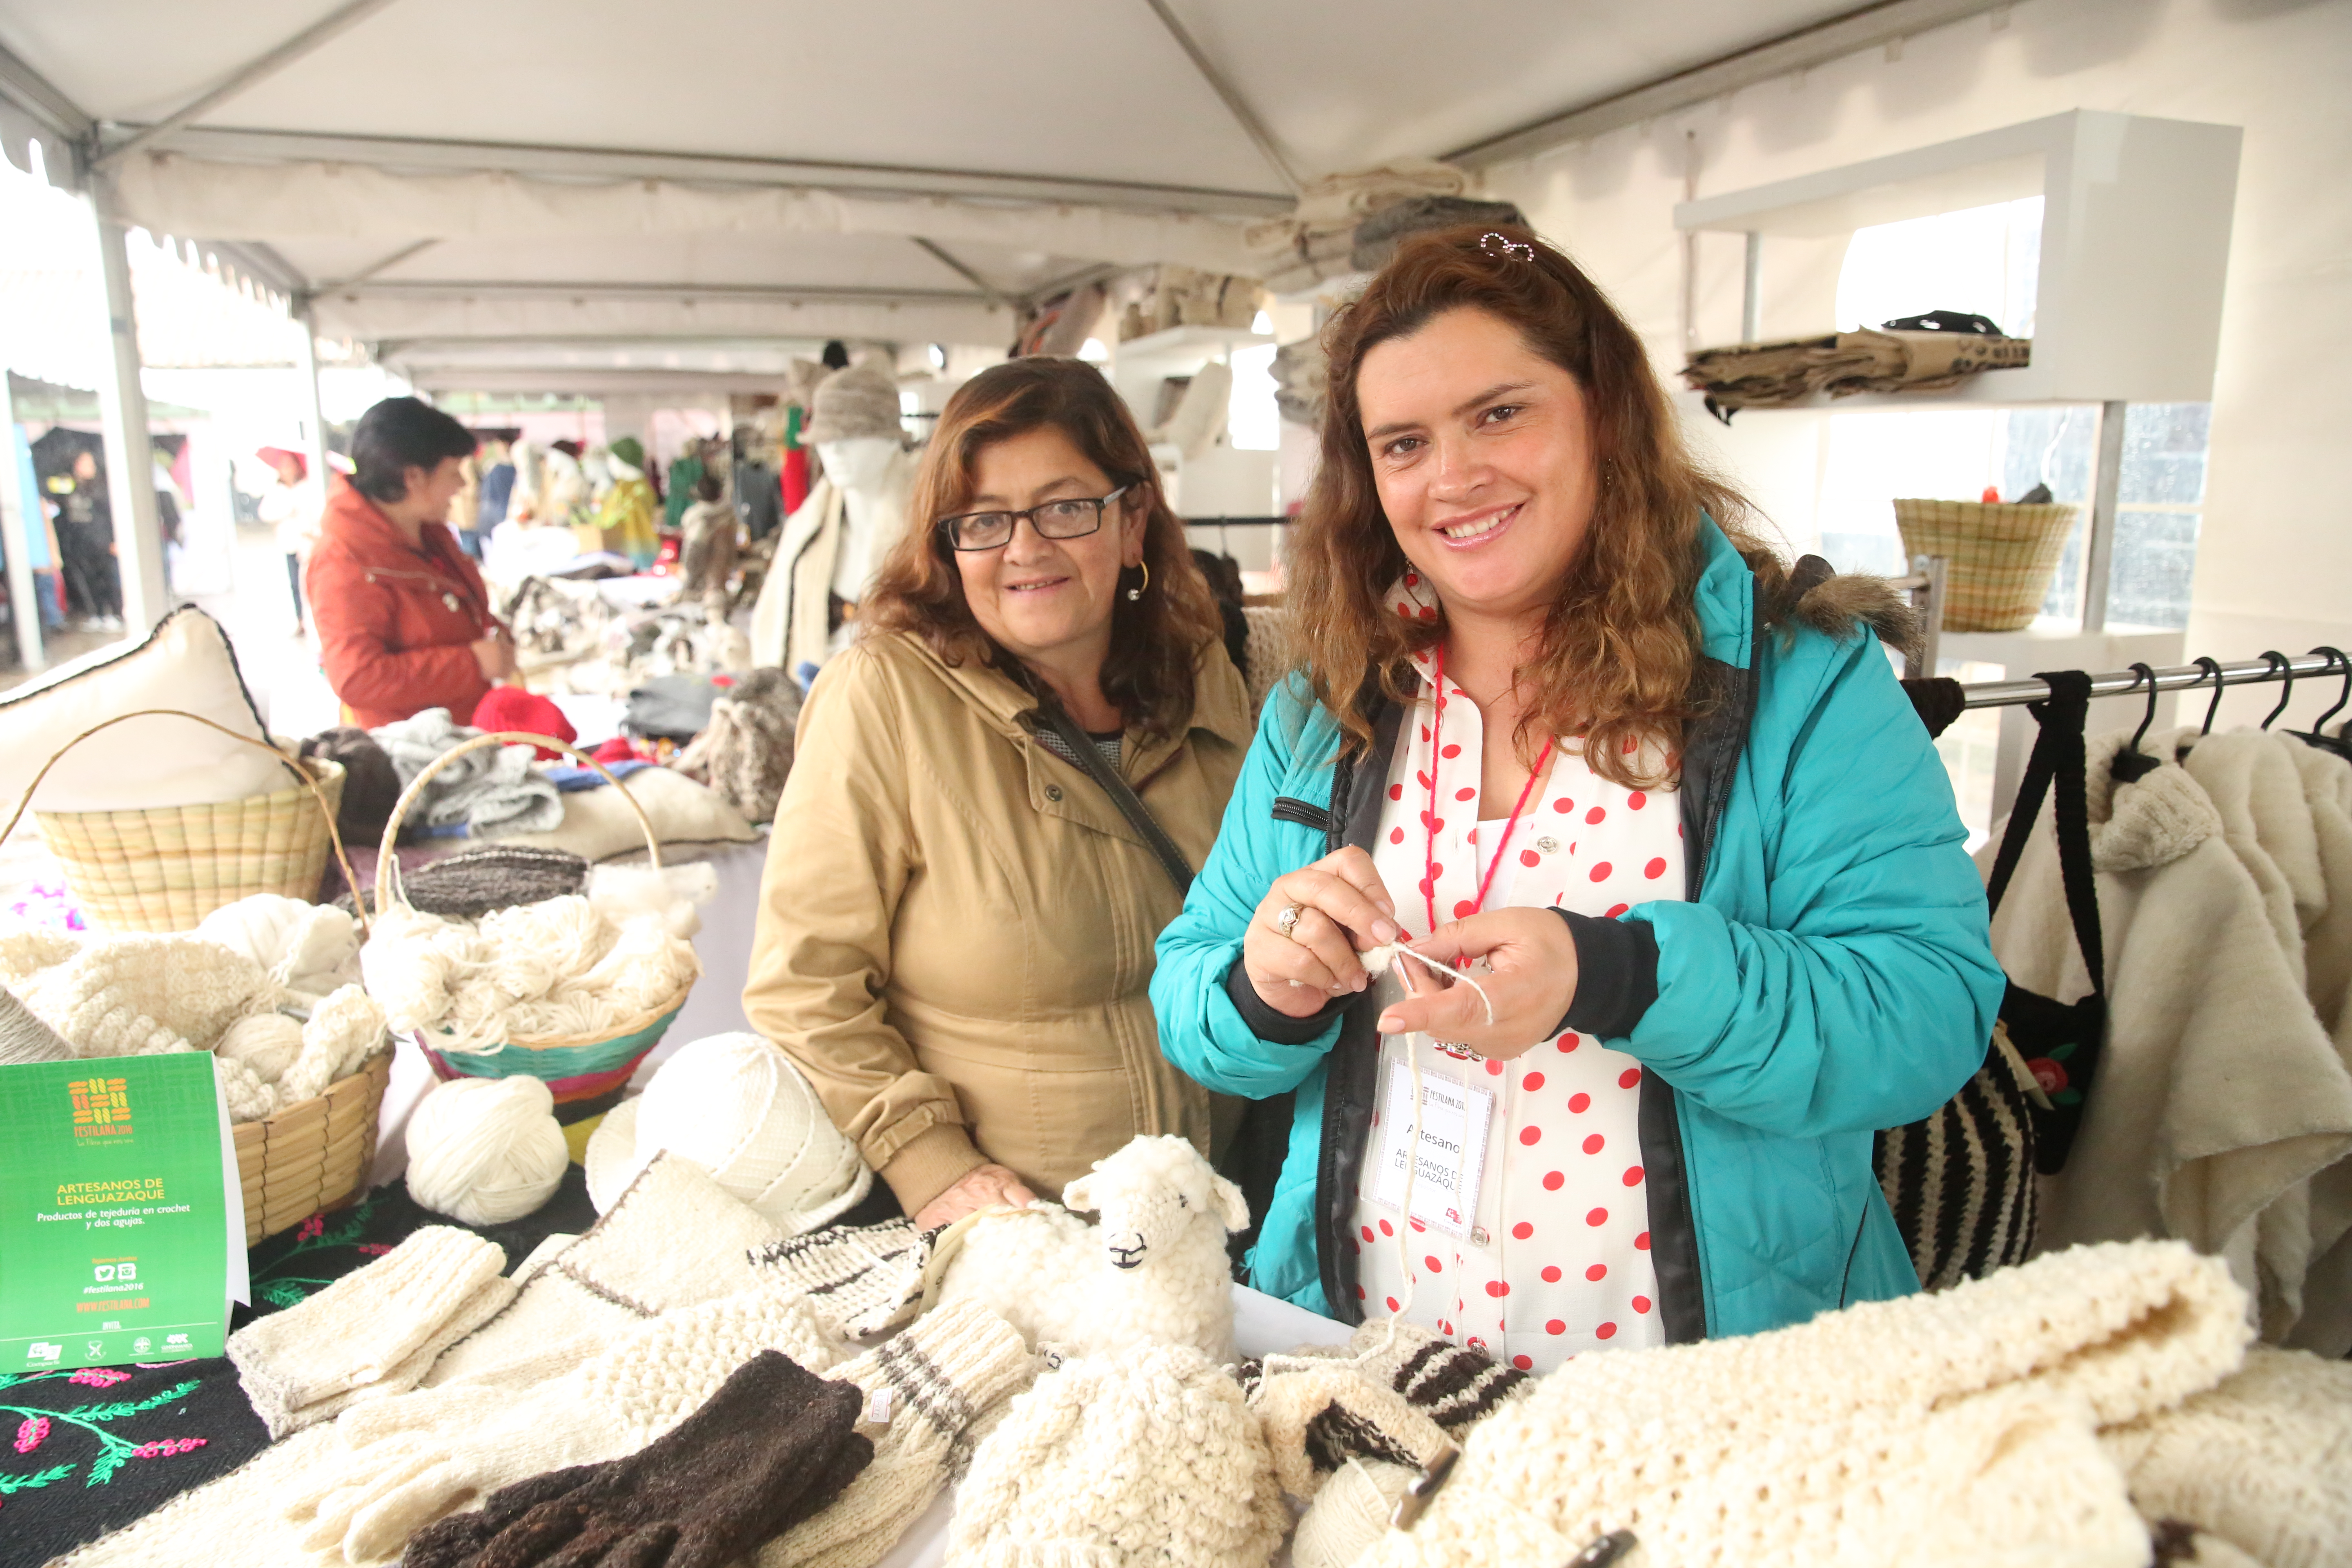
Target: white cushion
[[185, 663], [599, 825]]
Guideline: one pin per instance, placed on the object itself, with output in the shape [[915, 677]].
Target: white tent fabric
[[988, 152]]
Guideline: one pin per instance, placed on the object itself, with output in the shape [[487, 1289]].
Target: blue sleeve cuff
[[1280, 1028], [1616, 974]]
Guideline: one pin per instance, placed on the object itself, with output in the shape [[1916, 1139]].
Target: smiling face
[[1483, 456], [1047, 601]]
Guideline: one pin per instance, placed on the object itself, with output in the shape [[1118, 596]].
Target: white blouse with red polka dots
[[1555, 1258]]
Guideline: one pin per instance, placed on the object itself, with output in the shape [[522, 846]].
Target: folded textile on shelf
[[1774, 375], [371, 1334], [1957, 1427], [1148, 1458]]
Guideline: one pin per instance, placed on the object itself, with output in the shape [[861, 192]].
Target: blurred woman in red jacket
[[403, 620]]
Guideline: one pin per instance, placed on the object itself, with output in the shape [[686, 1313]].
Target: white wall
[[2275, 566]]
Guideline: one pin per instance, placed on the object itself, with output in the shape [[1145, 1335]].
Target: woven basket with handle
[[585, 1072], [166, 868], [2001, 556]]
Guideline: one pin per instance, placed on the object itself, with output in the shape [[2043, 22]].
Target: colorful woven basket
[[586, 1073], [1999, 556], [164, 869]]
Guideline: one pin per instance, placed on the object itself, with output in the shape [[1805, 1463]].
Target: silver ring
[[1285, 919]]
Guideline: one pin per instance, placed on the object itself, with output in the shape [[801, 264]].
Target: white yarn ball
[[267, 1042], [484, 1150]]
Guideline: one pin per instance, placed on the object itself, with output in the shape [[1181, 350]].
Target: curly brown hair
[[1154, 641], [1621, 643]]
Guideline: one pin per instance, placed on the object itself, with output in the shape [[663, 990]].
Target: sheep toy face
[[1152, 1195]]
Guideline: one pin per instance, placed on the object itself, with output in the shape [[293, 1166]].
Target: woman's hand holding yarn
[[1342, 909], [982, 1187], [1532, 957]]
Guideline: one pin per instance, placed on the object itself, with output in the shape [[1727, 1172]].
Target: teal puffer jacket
[[1829, 974]]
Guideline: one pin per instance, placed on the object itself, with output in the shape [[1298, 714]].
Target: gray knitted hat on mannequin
[[860, 401]]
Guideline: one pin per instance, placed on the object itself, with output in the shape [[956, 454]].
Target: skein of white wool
[[267, 1043], [484, 1150]]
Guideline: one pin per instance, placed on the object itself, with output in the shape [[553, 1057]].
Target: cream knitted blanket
[[1955, 1428]]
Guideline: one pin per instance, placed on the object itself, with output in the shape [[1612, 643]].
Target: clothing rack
[[2174, 677]]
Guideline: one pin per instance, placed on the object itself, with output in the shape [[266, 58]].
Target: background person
[[292, 508], [85, 519], [1573, 732], [955, 930], [403, 620]]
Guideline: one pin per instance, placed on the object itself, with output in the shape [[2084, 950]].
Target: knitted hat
[[1152, 1460], [630, 451], [512, 708], [859, 402], [734, 1105]]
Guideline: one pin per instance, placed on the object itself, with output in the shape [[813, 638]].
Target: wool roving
[[736, 1106], [486, 1150], [267, 1043], [303, 946], [345, 1030]]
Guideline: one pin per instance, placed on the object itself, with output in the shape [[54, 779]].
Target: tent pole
[[314, 419], [1235, 104], [122, 409], [20, 515]]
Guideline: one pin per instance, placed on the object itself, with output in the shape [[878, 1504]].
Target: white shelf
[[1185, 348], [2134, 243]]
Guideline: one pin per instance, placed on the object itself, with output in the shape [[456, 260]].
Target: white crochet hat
[[859, 402], [734, 1105], [1152, 1459]]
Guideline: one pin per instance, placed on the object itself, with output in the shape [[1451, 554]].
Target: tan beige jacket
[[956, 926]]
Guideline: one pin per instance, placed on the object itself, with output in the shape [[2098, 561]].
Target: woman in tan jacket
[[956, 929]]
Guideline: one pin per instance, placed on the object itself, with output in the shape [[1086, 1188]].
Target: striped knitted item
[[929, 1395], [1399, 1400], [862, 1280], [1960, 1181]]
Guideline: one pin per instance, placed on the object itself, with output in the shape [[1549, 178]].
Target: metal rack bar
[[2173, 678]]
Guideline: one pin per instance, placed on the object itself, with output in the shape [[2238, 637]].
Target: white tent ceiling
[[561, 189]]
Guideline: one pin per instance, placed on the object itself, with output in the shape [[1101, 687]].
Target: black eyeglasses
[[1071, 519]]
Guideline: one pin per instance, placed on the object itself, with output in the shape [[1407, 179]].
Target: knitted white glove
[[675, 1238], [406, 1462], [1149, 1459], [928, 1394], [863, 1280], [374, 1331]]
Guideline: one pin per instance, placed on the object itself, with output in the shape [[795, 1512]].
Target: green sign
[[116, 1239]]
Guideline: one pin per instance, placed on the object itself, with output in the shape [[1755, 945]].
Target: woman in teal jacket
[[1815, 968]]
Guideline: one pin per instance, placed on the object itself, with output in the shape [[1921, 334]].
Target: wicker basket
[[166, 868], [2000, 557], [586, 1073], [312, 1155]]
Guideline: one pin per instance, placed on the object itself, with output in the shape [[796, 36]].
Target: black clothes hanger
[[2287, 691], [2316, 734], [2208, 662], [2131, 764]]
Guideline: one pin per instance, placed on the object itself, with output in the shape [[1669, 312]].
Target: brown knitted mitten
[[772, 1446]]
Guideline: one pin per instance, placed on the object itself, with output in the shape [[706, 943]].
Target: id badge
[[1454, 1117]]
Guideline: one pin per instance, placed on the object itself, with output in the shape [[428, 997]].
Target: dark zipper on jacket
[[1290, 808], [1351, 1084]]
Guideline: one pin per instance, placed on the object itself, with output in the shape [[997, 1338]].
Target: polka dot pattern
[[1564, 1270]]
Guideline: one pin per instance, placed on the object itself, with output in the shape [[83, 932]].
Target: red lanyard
[[1429, 817]]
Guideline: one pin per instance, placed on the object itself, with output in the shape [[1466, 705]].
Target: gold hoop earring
[[1137, 592]]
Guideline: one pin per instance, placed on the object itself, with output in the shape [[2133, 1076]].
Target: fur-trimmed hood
[[1813, 593]]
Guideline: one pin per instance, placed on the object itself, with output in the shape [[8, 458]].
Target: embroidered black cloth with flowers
[[771, 1448]]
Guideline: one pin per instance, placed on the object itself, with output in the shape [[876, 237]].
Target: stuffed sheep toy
[[1152, 1271]]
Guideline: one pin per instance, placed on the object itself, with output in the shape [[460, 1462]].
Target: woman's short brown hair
[[1154, 639], [1620, 644]]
